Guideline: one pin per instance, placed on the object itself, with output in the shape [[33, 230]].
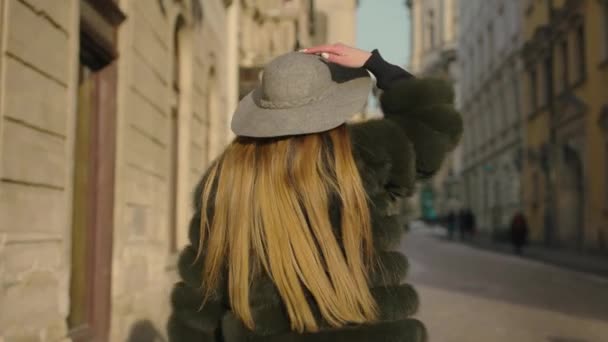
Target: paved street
[[470, 295]]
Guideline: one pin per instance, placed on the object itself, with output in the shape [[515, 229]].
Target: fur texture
[[420, 127]]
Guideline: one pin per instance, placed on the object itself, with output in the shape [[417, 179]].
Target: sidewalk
[[596, 264], [577, 261]]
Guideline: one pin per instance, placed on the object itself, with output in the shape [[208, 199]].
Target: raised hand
[[341, 54]]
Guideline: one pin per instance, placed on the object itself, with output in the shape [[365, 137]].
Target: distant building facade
[[335, 21], [489, 91], [268, 29], [110, 111], [271, 28], [434, 53], [434, 37], [565, 184]]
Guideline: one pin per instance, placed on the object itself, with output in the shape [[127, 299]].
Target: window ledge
[[579, 82], [529, 8], [535, 113]]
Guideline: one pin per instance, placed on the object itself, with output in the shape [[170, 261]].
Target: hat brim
[[340, 103]]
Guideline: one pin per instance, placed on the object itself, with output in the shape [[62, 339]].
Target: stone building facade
[[273, 27], [565, 79], [335, 21], [434, 39], [109, 113], [490, 95], [267, 29]]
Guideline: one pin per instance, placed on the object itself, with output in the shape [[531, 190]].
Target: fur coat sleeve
[[420, 127]]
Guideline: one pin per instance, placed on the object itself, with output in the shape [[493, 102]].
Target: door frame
[[99, 20]]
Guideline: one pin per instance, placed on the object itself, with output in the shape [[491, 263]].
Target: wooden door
[[93, 203]]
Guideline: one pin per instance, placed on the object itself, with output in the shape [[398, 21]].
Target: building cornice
[[99, 21], [560, 22], [538, 46], [569, 107], [109, 10]]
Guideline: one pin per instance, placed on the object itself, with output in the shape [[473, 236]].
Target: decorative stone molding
[[537, 46], [99, 20], [568, 107], [562, 20], [109, 10]]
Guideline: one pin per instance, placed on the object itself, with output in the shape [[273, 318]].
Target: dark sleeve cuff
[[385, 72]]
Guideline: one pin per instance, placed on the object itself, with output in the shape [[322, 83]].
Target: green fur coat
[[419, 128]]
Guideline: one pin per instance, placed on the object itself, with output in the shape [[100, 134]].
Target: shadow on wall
[[145, 331]]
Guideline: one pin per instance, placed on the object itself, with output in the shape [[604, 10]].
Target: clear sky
[[384, 24]]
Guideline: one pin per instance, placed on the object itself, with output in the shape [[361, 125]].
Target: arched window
[[174, 133], [431, 30]]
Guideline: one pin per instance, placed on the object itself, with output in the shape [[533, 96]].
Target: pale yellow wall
[[536, 130], [592, 92]]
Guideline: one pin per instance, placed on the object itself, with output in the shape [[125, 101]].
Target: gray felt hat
[[301, 94]]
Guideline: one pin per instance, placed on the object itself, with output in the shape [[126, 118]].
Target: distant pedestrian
[[467, 224], [519, 232], [471, 226], [451, 223], [462, 222]]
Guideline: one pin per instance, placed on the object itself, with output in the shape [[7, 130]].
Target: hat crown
[[295, 76], [301, 94]]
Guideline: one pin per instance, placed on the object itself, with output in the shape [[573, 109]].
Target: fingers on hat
[[328, 48], [331, 58]]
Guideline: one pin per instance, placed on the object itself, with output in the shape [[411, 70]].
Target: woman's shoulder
[[375, 130], [384, 154]]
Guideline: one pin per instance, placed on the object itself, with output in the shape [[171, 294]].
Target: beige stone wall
[[36, 124], [143, 263], [268, 29], [39, 57], [38, 71]]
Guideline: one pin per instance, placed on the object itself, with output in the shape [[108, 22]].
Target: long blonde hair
[[271, 201]]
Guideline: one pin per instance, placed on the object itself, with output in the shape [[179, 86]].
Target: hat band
[[267, 104]]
